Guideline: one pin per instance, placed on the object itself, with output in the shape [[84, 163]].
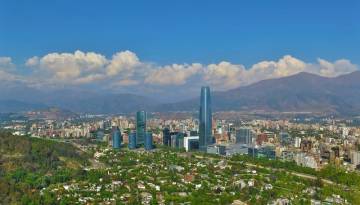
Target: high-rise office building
[[140, 127], [173, 139], [285, 138], [132, 140], [166, 137], [100, 135], [180, 140], [116, 138], [205, 119], [297, 142], [148, 141], [191, 143], [244, 135]]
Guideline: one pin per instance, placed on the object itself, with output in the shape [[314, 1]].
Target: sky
[[161, 47]]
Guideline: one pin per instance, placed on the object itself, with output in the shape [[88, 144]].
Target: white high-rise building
[[297, 142], [355, 158]]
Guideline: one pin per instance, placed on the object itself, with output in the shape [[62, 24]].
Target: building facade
[[132, 140], [205, 119], [140, 127], [216, 149], [116, 138], [285, 139], [191, 143], [166, 137], [244, 135], [148, 141]]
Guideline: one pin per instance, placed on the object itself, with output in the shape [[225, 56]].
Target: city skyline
[[180, 102]]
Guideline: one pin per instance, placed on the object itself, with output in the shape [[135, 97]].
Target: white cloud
[[7, 71], [68, 66], [285, 66], [126, 82], [5, 76], [173, 74], [6, 63], [339, 67], [89, 78], [83, 68], [123, 62], [224, 75], [125, 69], [32, 62]]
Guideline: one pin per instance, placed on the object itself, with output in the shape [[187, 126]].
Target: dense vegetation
[[330, 172], [31, 170], [28, 164]]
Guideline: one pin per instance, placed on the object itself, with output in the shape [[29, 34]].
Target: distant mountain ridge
[[19, 106], [303, 92], [21, 99]]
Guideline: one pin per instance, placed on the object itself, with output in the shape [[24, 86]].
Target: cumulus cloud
[[74, 67], [339, 67], [125, 69], [6, 76], [224, 75], [173, 74], [123, 62], [6, 63], [82, 68], [32, 62], [285, 66], [126, 82], [8, 71]]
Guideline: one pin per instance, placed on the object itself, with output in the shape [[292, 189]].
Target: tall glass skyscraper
[[116, 138], [148, 141], [205, 119], [140, 127], [166, 137], [132, 140], [244, 135]]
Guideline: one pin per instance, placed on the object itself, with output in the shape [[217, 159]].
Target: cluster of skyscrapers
[[203, 142], [136, 138]]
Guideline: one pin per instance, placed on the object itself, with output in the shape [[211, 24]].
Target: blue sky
[[161, 33], [183, 31]]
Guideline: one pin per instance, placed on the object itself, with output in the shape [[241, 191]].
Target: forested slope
[[28, 164]]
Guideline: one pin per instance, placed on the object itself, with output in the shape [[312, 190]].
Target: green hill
[[29, 164]]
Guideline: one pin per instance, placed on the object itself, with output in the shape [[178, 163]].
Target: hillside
[[27, 165], [303, 92], [23, 98]]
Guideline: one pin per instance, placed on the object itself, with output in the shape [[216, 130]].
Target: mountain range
[[22, 98], [303, 92]]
